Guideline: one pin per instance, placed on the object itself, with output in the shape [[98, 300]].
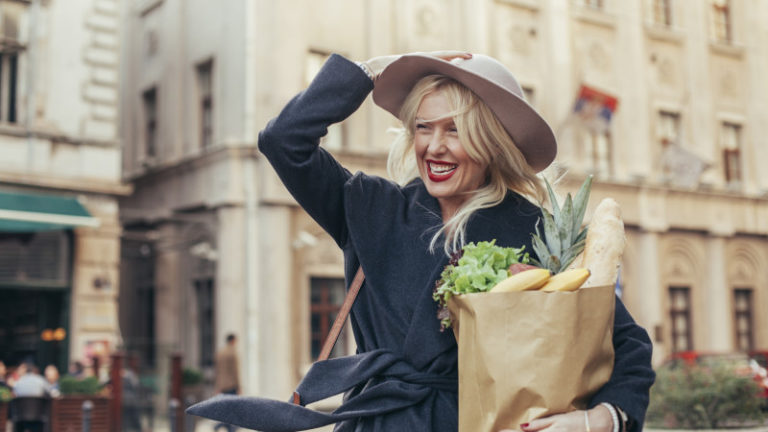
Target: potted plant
[[192, 391], [67, 410], [5, 397]]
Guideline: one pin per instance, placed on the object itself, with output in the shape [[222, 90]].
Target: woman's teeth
[[441, 168]]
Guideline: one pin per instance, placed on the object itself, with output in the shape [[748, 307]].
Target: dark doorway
[[33, 326]]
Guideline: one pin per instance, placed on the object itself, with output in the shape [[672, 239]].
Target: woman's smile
[[446, 169], [440, 171]]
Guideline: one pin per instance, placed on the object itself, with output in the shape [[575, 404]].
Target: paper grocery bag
[[525, 355]]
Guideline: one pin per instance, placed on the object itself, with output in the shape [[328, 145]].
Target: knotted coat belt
[[391, 383]]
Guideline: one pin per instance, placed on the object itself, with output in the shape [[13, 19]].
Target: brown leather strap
[[338, 324]]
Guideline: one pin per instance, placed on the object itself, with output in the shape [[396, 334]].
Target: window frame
[[205, 106], [733, 172], [684, 312], [150, 123], [748, 314], [722, 21], [327, 312]]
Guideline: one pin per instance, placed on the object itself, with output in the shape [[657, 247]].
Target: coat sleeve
[[632, 377], [291, 142]]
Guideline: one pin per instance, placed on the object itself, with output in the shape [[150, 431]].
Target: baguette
[[604, 244]]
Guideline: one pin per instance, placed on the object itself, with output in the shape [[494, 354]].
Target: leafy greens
[[481, 266]]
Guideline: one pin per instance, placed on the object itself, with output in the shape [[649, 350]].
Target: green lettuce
[[481, 266]]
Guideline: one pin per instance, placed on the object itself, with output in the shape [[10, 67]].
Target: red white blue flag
[[595, 108]]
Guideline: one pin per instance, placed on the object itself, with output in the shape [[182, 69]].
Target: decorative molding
[[664, 34], [595, 17], [531, 5], [732, 50]]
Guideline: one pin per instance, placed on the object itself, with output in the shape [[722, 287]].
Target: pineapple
[[563, 238]]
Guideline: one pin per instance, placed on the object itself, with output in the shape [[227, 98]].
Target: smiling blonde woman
[[465, 168]]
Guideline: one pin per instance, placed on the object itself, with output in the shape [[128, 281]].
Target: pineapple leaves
[[563, 238]]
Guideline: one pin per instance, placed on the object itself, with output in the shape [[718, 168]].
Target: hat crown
[[492, 70]]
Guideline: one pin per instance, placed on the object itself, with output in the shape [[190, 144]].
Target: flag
[[594, 108]]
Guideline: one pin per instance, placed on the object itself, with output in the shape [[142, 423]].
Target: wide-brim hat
[[491, 81]]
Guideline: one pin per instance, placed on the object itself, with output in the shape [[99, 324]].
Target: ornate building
[[60, 179], [214, 244]]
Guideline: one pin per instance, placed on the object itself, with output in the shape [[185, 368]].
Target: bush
[[190, 377], [698, 397], [69, 385], [5, 395]]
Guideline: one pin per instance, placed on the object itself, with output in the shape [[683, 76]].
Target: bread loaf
[[604, 244]]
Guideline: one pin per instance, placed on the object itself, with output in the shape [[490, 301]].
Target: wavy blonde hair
[[486, 142]]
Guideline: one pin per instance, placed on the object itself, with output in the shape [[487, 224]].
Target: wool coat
[[404, 376]]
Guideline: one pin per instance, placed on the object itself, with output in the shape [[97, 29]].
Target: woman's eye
[[421, 126]]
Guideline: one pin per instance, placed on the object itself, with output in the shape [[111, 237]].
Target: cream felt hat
[[491, 81]]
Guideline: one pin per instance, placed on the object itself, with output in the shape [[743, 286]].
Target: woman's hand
[[378, 64], [599, 421]]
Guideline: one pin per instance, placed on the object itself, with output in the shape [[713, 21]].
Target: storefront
[[36, 275]]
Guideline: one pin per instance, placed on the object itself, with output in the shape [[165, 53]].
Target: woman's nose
[[437, 143]]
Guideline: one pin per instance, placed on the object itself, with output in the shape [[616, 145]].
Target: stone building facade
[[60, 179], [217, 245]]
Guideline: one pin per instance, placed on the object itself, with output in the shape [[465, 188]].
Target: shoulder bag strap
[[338, 324]]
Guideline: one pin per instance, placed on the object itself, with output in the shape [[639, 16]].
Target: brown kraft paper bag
[[530, 354]]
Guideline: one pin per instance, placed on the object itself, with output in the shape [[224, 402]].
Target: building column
[[276, 297], [230, 312], [650, 313], [719, 330]]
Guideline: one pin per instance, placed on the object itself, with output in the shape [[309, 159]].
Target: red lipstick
[[439, 171]]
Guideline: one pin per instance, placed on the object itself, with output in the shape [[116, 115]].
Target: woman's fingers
[[379, 63], [450, 55], [539, 424]]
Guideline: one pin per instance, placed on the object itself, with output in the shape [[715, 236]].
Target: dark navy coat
[[404, 377]]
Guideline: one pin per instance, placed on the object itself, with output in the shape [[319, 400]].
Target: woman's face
[[444, 166]]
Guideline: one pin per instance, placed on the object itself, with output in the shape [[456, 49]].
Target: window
[[9, 62], [601, 153], [742, 308], [12, 15], [680, 316], [334, 139], [662, 12], [594, 4], [326, 298], [205, 309], [205, 90], [731, 143], [721, 21], [150, 122], [35, 258], [668, 128]]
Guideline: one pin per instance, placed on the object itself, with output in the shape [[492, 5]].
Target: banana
[[524, 281], [569, 280]]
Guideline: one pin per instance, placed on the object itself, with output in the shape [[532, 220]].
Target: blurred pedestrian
[[76, 369], [31, 383], [52, 376], [3, 372], [227, 373]]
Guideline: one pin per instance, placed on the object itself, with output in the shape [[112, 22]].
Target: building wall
[[64, 142], [709, 236]]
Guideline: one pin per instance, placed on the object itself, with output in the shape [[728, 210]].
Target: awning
[[31, 213]]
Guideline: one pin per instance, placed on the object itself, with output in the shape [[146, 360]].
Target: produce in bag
[[531, 344]]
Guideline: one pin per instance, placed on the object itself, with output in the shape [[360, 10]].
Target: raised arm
[[291, 141]]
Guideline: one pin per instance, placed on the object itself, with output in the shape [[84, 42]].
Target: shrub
[[698, 397], [5, 394], [190, 377], [69, 385]]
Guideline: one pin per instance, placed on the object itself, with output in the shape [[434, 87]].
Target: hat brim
[[530, 132]]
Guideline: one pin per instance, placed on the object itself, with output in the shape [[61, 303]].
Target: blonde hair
[[486, 142]]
